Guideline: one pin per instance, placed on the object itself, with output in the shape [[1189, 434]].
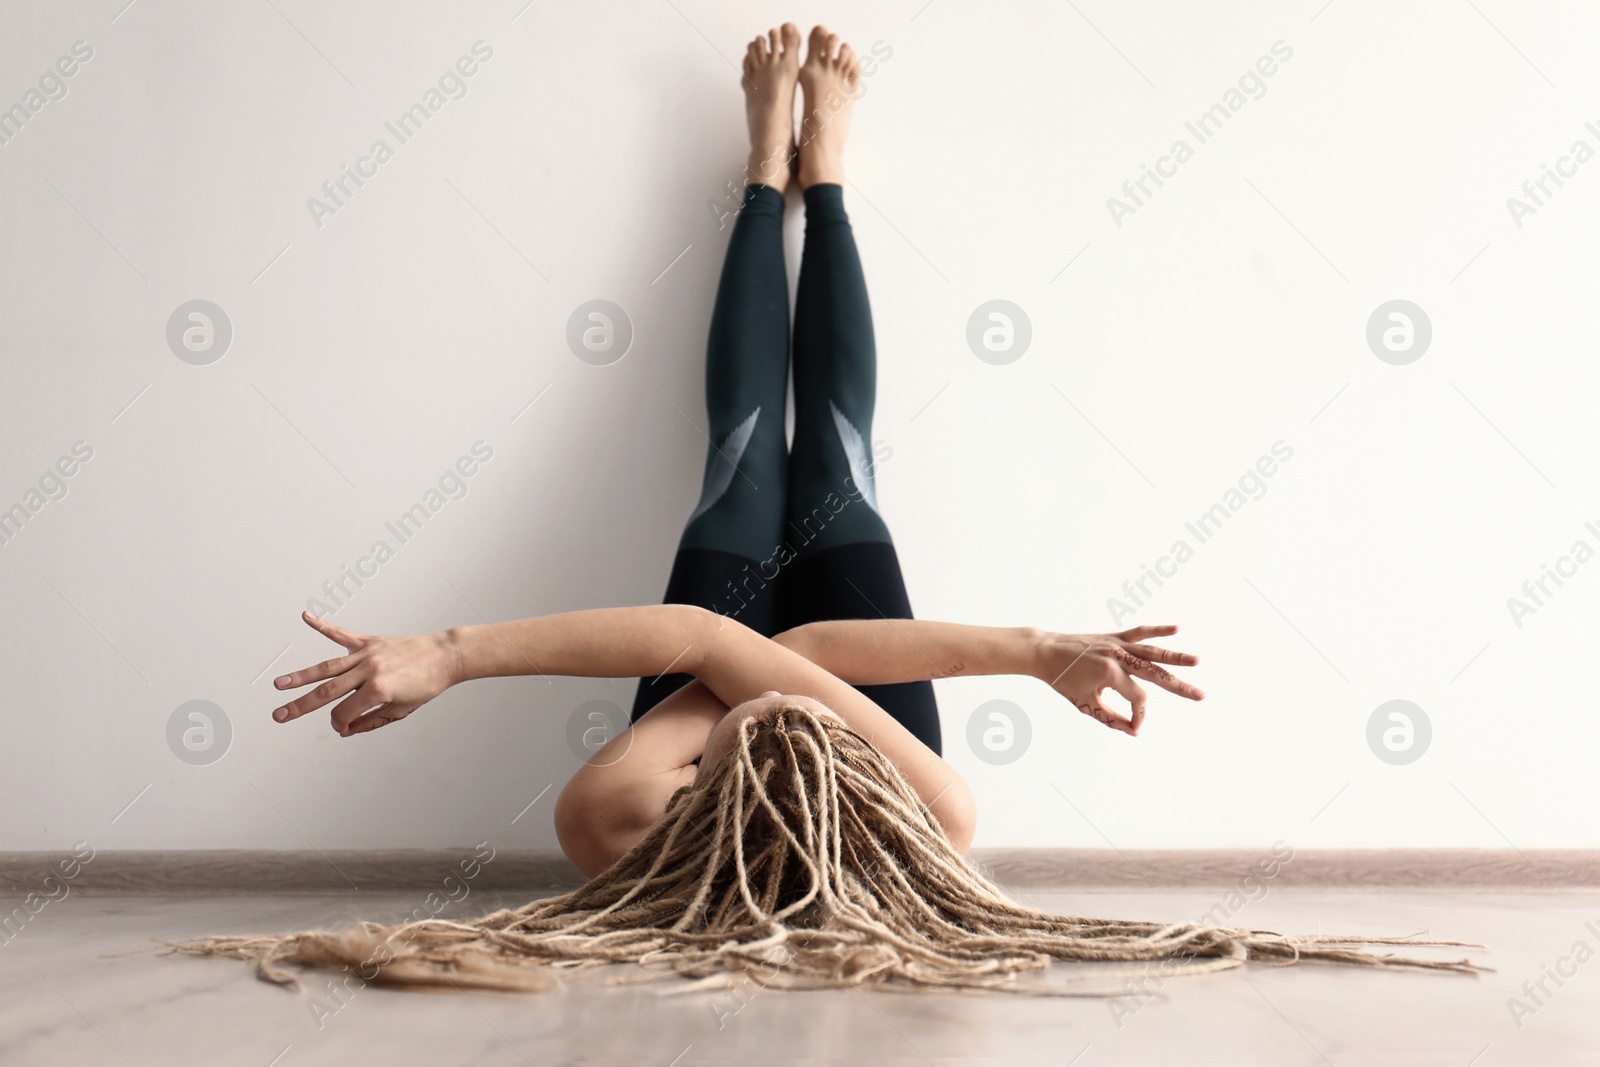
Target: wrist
[[1033, 645], [452, 646]]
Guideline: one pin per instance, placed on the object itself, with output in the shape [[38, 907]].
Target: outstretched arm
[[383, 679], [1078, 666], [403, 673]]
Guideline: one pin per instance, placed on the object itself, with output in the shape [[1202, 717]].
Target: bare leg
[[830, 77], [771, 64]]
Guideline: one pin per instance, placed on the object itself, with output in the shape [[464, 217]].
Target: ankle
[[769, 169], [821, 173]]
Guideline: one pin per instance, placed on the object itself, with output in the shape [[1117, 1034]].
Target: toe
[[847, 60], [790, 35], [832, 51], [772, 42], [818, 49]]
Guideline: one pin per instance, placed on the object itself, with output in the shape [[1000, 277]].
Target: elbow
[[710, 634], [957, 812], [699, 625], [600, 816], [575, 832], [583, 831]]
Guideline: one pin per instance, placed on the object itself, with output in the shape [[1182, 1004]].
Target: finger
[[328, 691], [1164, 679], [1096, 710], [380, 716], [1144, 633], [1157, 654], [328, 668], [1143, 668], [348, 638], [1133, 693], [365, 724], [1168, 682], [353, 707]]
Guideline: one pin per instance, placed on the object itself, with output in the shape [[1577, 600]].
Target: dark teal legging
[[784, 536]]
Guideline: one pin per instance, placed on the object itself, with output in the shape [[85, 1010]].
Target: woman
[[786, 589], [778, 811]]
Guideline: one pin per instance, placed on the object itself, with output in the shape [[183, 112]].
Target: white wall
[[1228, 313]]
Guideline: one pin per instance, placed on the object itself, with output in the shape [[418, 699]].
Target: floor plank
[[70, 993]]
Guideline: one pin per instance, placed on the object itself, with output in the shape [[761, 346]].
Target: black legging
[[784, 537]]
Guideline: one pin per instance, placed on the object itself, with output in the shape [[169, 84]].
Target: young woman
[[778, 812], [786, 591]]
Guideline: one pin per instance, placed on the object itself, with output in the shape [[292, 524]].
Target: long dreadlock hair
[[803, 859]]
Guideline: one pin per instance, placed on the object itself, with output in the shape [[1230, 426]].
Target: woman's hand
[[382, 679], [1082, 666]]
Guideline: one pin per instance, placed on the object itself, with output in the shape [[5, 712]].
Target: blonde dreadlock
[[803, 859]]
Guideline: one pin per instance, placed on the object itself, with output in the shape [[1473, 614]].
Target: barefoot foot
[[830, 77], [771, 66]]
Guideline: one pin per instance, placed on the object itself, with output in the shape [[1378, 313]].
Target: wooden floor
[[70, 995]]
